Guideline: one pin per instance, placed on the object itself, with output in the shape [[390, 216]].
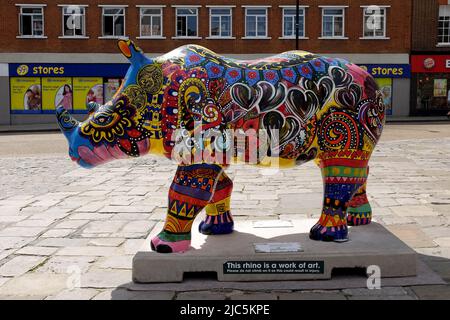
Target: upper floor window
[[187, 22], [256, 22], [289, 22], [444, 25], [333, 22], [220, 22], [151, 22], [31, 22], [74, 21], [113, 22], [374, 22]]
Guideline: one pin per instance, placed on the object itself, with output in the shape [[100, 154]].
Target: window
[[256, 22], [31, 21], [444, 25], [151, 22], [187, 22], [333, 22], [220, 21], [113, 22], [289, 30], [74, 21], [374, 22]]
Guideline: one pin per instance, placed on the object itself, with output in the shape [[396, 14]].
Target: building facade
[[65, 53], [430, 58]]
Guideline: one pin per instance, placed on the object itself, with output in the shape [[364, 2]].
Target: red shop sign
[[430, 63]]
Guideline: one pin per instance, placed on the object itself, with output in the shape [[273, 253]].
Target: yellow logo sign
[[22, 70]]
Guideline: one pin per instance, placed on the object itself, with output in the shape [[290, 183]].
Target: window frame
[[31, 6], [283, 15], [333, 37], [441, 15], [266, 16], [230, 8], [161, 15], [106, 7], [375, 37], [83, 16], [179, 7]]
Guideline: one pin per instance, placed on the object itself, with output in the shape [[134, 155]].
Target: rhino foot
[[171, 243], [215, 225], [336, 234], [359, 216]]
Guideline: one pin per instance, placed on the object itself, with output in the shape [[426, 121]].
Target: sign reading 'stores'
[[67, 70]]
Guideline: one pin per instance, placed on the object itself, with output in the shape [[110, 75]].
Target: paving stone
[[21, 231], [432, 292], [131, 246], [71, 224], [63, 242], [58, 233], [118, 209], [75, 294], [443, 242], [116, 262], [9, 219], [138, 226], [254, 296], [20, 265], [312, 295], [107, 242], [4, 280], [384, 291], [200, 295], [106, 278], [103, 226], [35, 223], [414, 211], [36, 251], [13, 242], [87, 251], [67, 264], [34, 284]]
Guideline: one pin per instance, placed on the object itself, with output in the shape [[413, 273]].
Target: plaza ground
[[63, 226]]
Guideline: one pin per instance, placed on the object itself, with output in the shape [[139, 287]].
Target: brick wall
[[398, 28], [425, 25]]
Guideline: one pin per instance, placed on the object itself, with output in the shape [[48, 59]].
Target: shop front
[[36, 90], [430, 85], [391, 79]]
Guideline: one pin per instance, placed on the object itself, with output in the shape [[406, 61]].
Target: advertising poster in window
[[111, 87], [385, 85], [26, 94], [57, 92], [440, 88], [87, 90]]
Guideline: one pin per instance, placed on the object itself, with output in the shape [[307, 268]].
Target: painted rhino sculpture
[[184, 105]]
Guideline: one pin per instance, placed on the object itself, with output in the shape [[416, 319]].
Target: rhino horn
[[132, 52]]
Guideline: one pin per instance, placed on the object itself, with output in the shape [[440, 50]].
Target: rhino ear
[[132, 52]]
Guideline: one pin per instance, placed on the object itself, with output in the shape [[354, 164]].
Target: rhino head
[[124, 127]]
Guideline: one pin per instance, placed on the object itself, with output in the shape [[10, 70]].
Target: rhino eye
[[102, 119]]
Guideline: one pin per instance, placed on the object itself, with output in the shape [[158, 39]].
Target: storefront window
[[433, 91]]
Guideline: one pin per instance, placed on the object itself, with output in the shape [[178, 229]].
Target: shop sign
[[388, 70], [68, 70], [430, 63]]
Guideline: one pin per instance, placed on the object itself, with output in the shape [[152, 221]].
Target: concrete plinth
[[277, 251]]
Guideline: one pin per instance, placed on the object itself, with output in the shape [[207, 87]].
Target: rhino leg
[[359, 211], [343, 177], [191, 190], [218, 217]]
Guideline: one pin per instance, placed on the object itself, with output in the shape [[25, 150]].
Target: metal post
[[297, 26]]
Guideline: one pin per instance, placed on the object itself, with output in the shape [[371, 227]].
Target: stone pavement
[[71, 233]]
